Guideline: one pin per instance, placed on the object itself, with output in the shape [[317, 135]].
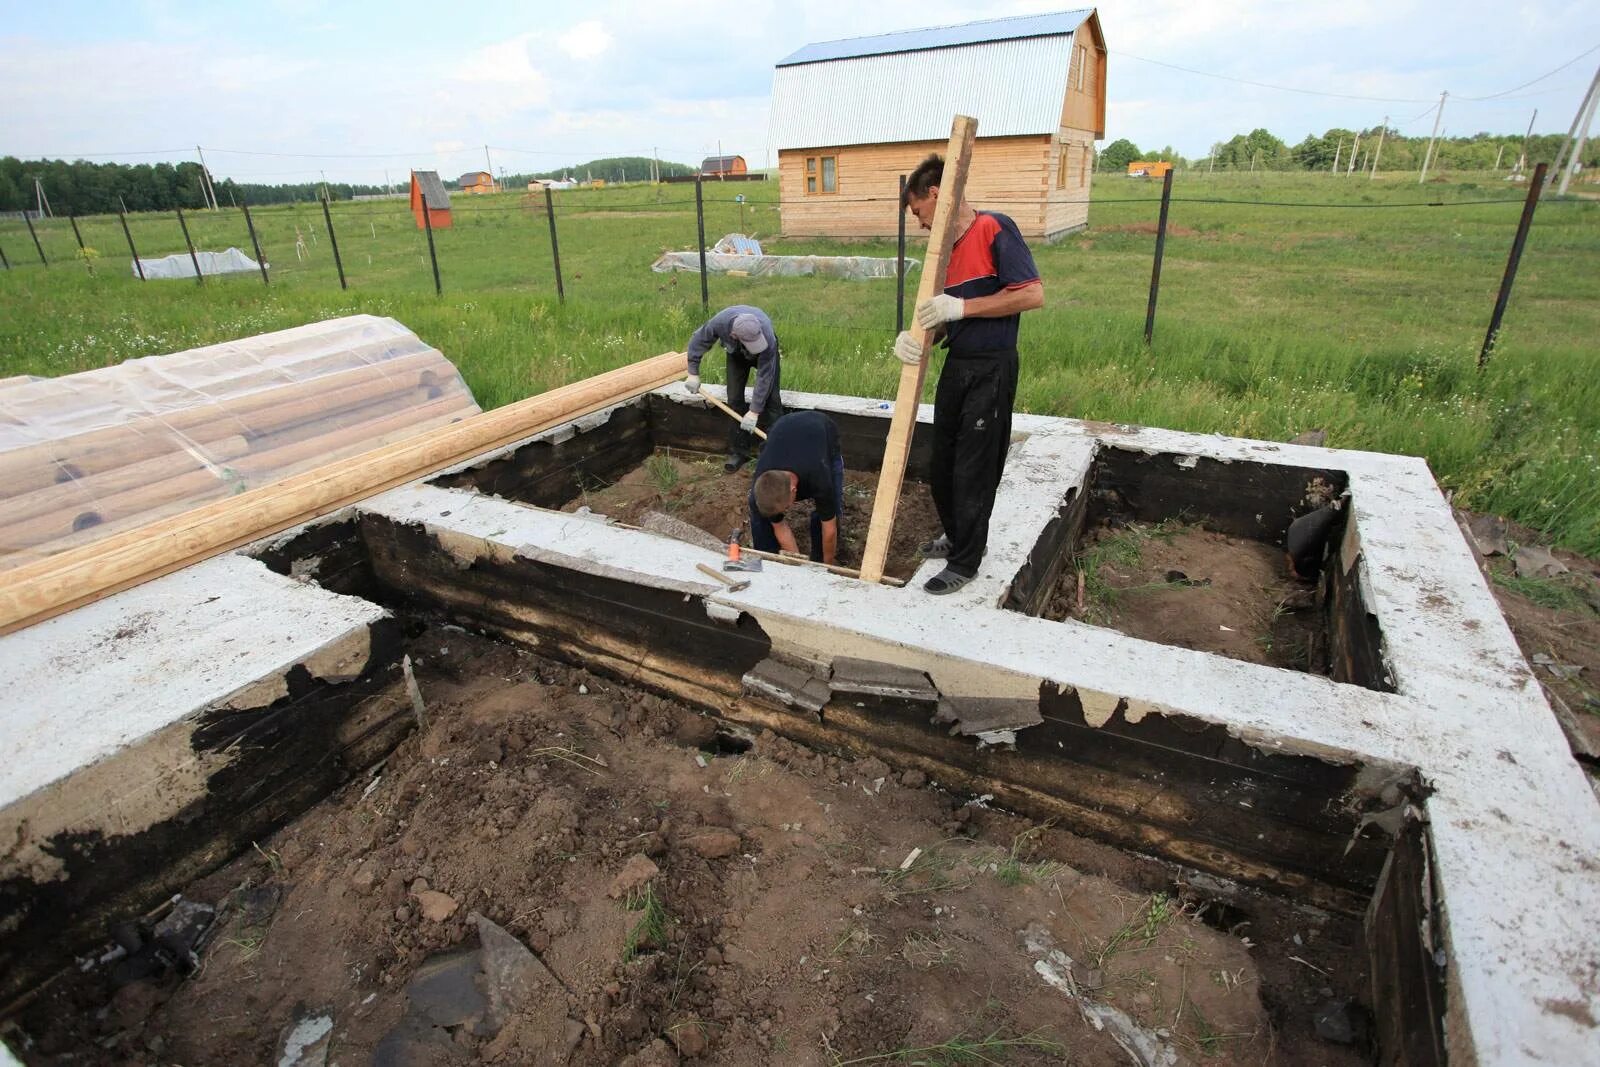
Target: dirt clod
[[714, 844], [636, 872], [436, 906]]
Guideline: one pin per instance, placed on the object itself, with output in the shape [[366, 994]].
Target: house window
[[1081, 58], [827, 167], [1061, 164], [1083, 166]]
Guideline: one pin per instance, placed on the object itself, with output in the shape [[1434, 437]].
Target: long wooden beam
[[897, 449], [83, 575]]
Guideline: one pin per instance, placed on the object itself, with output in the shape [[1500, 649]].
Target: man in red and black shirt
[[991, 281]]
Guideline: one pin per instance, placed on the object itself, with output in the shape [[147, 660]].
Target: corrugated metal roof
[[1013, 88], [433, 191], [1006, 29]]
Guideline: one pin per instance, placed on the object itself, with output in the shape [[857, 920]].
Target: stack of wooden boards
[[91, 454]]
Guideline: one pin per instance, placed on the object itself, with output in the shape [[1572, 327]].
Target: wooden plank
[[942, 237], [44, 589]]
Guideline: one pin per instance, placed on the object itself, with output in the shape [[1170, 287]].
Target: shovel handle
[[732, 414]]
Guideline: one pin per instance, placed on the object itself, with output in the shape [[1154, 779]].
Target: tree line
[[1261, 150]]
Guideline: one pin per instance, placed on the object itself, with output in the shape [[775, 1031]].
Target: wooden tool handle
[[718, 575], [732, 414]]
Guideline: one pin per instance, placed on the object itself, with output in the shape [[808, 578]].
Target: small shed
[[849, 117], [476, 182], [717, 166], [428, 194]]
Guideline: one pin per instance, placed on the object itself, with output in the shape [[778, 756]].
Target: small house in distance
[[476, 182], [849, 117], [428, 194], [718, 166]]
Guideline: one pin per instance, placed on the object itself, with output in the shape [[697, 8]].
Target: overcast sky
[[282, 90]]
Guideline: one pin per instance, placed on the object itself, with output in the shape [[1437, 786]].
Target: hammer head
[[743, 583]]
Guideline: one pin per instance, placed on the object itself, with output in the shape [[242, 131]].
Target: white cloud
[[586, 40]]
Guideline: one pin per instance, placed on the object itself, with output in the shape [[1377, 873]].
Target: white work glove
[[938, 310], [692, 383], [907, 349], [748, 423]]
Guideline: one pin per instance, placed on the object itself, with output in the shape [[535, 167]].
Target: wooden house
[[849, 117], [476, 182], [428, 194], [720, 166]]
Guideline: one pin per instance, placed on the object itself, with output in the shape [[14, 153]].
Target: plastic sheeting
[[179, 265], [92, 454], [738, 254]]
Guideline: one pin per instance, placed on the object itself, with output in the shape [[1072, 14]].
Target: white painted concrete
[[1516, 829]]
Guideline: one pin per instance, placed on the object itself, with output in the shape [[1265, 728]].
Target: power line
[[1540, 78], [1269, 85]]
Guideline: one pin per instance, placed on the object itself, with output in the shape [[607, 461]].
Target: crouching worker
[[747, 336], [800, 461]]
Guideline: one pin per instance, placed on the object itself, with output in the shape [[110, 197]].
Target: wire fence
[[368, 258]]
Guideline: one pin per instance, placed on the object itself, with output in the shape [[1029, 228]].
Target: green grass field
[[1363, 319]]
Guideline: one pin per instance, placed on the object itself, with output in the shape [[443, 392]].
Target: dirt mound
[[685, 893]]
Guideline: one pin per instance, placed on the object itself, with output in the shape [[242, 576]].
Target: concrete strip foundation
[[1425, 784]]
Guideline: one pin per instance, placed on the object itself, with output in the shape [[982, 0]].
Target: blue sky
[[284, 90]]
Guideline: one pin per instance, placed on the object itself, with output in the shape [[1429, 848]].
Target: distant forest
[[1261, 150], [83, 188]]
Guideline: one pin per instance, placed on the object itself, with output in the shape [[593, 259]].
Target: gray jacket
[[720, 328]]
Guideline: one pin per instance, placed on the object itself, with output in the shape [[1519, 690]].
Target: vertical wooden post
[[700, 224], [83, 251], [555, 245], [433, 255], [34, 234], [4, 262], [900, 262], [198, 279], [333, 238], [1517, 244], [122, 213], [897, 449], [1155, 269], [261, 261]]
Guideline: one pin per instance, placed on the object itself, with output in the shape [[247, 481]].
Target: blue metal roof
[[1007, 29]]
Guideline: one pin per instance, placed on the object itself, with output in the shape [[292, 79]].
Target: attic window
[[1080, 60], [829, 171]]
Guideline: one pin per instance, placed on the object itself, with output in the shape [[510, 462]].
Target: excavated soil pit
[[790, 918], [693, 488], [1181, 584], [1189, 551], [659, 454]]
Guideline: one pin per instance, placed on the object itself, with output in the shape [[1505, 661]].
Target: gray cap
[[746, 329]]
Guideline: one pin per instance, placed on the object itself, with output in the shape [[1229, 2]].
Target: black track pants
[[741, 442], [971, 433]]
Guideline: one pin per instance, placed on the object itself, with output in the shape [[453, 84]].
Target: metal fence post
[[122, 213], [1155, 270], [555, 245], [4, 262], [83, 251], [1517, 244], [198, 279], [333, 239], [261, 261], [433, 256], [900, 262], [35, 236], [700, 224]]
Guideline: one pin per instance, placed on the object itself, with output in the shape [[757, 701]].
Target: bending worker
[[800, 461], [747, 336], [991, 281]]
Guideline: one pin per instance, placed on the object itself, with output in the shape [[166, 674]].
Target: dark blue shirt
[[989, 258]]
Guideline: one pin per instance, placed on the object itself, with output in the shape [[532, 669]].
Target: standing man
[[991, 281], [801, 461], [747, 336]]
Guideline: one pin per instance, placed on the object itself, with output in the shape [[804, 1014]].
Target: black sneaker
[[946, 581], [734, 462], [938, 548]]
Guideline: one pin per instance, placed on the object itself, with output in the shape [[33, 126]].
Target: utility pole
[[1497, 157], [207, 191], [1381, 131], [1353, 149], [655, 164], [1336, 153], [41, 200], [1522, 159], [487, 165], [1567, 162], [1437, 117]]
